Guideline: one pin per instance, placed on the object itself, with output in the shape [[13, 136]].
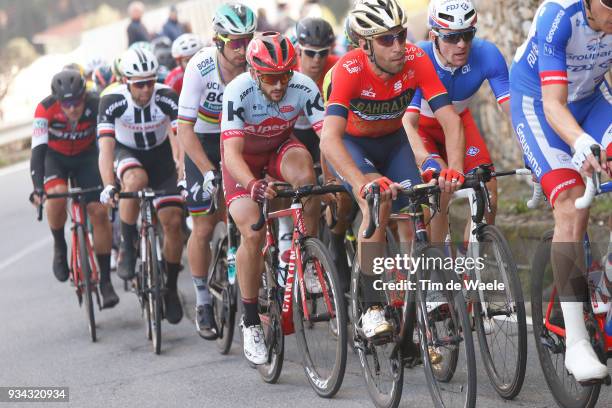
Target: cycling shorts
[[259, 164], [309, 138], [388, 155], [476, 152], [83, 167], [159, 165], [548, 156], [193, 175]]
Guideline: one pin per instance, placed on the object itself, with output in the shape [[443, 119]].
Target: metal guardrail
[[14, 133]]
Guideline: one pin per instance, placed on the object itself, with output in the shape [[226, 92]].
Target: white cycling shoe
[[582, 362], [374, 324], [311, 280], [254, 346]]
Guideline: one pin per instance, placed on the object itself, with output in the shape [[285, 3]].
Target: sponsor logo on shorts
[[473, 151]]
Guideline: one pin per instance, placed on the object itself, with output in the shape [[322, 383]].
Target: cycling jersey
[[138, 127], [561, 48], [373, 106], [175, 79], [302, 122], [53, 130], [485, 62], [264, 125], [200, 102]]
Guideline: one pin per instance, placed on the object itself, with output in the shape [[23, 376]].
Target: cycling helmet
[[162, 74], [164, 58], [117, 68], [234, 18], [314, 32], [373, 17], [451, 14], [93, 63], [186, 45], [350, 36], [102, 77], [67, 84], [271, 52], [76, 67], [138, 63], [140, 45], [161, 42]]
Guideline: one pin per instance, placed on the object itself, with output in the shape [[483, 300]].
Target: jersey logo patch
[[231, 112], [369, 93], [348, 65], [473, 151], [287, 109]]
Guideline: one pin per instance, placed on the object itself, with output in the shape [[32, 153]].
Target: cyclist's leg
[[598, 123], [550, 159], [55, 182]]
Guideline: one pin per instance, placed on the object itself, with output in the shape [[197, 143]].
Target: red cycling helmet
[[271, 52]]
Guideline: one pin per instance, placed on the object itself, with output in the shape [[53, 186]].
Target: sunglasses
[[454, 38], [235, 43], [606, 3], [313, 53], [387, 40], [273, 79], [72, 102], [148, 83]]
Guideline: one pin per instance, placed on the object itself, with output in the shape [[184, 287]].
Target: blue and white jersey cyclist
[[561, 106]]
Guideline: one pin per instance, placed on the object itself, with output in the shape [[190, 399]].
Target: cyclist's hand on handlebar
[[430, 166], [108, 196], [583, 158], [388, 188], [181, 186], [450, 180], [36, 197], [210, 185], [259, 190]]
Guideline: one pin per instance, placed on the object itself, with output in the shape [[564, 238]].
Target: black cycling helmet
[[68, 84], [314, 32], [164, 57]]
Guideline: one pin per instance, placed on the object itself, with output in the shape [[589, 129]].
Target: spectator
[[172, 29], [263, 24], [283, 20], [136, 31]]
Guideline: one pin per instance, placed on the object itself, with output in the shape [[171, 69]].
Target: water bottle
[[608, 327], [600, 297], [231, 265]]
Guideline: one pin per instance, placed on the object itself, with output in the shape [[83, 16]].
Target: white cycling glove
[[181, 185], [209, 187], [107, 196], [582, 148]]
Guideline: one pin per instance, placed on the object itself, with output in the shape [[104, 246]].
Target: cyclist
[[561, 106], [132, 130], [200, 106], [463, 63], [63, 144], [260, 108], [183, 48], [363, 137], [102, 77]]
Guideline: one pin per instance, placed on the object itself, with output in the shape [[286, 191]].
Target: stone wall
[[505, 23]]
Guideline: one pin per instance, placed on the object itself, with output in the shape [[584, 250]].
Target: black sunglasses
[[143, 84], [387, 40], [454, 38], [313, 53]]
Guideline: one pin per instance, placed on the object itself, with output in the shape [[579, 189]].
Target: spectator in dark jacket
[[172, 29], [136, 31]]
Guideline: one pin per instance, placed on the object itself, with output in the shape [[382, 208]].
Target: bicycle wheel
[[87, 286], [566, 391], [270, 301], [381, 364], [499, 316], [155, 290], [142, 288], [224, 309], [445, 336], [321, 339]]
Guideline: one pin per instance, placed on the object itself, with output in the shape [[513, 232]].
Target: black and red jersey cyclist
[[63, 145], [363, 136]]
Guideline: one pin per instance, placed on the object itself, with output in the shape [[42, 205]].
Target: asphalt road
[[44, 342]]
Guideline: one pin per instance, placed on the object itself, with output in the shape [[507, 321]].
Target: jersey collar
[[440, 63]]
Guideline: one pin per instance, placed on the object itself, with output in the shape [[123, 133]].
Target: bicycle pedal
[[606, 381]]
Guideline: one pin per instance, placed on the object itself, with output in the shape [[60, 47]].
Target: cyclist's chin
[[275, 96]]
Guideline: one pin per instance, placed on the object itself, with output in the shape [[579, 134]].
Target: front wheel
[[155, 300], [86, 283]]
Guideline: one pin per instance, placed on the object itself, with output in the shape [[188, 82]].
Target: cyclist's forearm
[[562, 121], [105, 160], [454, 138], [192, 147], [410, 122], [37, 166], [335, 152]]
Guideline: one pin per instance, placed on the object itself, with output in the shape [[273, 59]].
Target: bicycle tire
[[454, 310], [143, 287], [155, 291], [270, 310], [324, 386], [559, 387], [224, 311], [508, 386], [395, 382], [86, 282]]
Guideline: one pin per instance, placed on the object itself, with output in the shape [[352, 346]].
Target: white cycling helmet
[[94, 62], [451, 14], [186, 45], [369, 18], [139, 63]]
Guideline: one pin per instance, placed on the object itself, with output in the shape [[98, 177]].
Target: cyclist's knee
[[97, 213], [134, 179], [570, 222], [252, 240], [203, 228]]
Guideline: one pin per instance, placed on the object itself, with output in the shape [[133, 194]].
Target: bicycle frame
[[78, 215], [295, 263]]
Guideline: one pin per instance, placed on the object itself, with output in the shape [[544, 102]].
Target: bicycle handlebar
[[144, 194], [71, 193], [592, 186]]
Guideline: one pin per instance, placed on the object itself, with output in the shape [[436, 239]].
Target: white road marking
[[14, 168], [24, 252]]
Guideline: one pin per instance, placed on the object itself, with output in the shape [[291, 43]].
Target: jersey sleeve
[[343, 87], [415, 104], [168, 103], [497, 74], [40, 129], [430, 85], [232, 116], [112, 106], [313, 104], [193, 88], [553, 31]]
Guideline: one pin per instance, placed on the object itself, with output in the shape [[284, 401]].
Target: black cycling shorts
[[193, 176], [83, 167], [309, 138]]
